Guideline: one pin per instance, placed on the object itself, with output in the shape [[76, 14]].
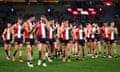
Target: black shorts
[[105, 39], [19, 40], [43, 40], [51, 41], [29, 41], [93, 39], [88, 39], [65, 42], [97, 38], [61, 40], [81, 42], [7, 41], [112, 41]]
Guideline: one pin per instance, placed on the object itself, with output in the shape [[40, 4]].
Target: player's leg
[[6, 51], [105, 46], [44, 48], [20, 52], [39, 45], [115, 49], [69, 45], [9, 50], [83, 51], [28, 46], [63, 52], [109, 49], [15, 51], [50, 52], [78, 50], [99, 47]]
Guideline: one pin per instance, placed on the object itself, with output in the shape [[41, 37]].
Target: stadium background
[[11, 9]]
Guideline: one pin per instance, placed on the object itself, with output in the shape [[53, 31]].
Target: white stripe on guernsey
[[93, 30], [112, 35], [31, 35], [81, 34], [51, 30], [19, 31], [106, 32], [43, 30], [67, 33], [8, 35]]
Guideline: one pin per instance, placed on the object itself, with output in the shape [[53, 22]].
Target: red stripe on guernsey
[[64, 35], [7, 34], [105, 35], [61, 35], [27, 35], [16, 28], [49, 34], [111, 35], [39, 30], [79, 35], [88, 32]]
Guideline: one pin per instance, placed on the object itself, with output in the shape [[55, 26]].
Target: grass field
[[89, 65]]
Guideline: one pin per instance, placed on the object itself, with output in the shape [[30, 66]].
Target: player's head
[[31, 18], [51, 20], [66, 21], [19, 20], [105, 23], [8, 25], [88, 25], [112, 23]]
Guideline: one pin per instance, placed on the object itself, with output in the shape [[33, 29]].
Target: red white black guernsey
[[50, 32], [42, 31], [93, 30], [18, 31], [105, 32], [111, 36], [80, 33], [67, 34], [27, 34], [7, 34], [88, 32]]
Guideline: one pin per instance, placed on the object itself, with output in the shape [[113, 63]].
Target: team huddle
[[58, 40]]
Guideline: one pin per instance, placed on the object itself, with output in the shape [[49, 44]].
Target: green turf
[[89, 65]]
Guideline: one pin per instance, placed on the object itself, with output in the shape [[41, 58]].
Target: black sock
[[104, 53], [68, 57], [20, 57], [99, 52], [39, 54], [44, 61], [15, 53]]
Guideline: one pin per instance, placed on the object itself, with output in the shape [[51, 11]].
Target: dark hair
[[50, 18], [19, 18], [29, 16]]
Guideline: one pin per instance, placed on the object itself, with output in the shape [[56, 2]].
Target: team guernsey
[[18, 33], [80, 36], [50, 35], [29, 35], [88, 34], [66, 35], [42, 32], [7, 35], [111, 37], [105, 33]]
